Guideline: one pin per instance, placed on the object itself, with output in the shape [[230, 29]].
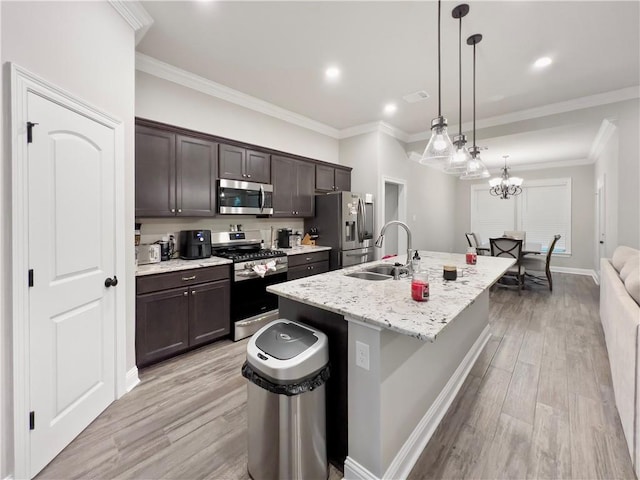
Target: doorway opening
[[393, 206]]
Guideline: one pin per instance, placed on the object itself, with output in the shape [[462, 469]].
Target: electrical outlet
[[362, 355]]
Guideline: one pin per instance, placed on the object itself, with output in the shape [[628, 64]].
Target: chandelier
[[505, 186]]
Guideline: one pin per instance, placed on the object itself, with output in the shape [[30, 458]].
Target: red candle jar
[[472, 256], [420, 287]]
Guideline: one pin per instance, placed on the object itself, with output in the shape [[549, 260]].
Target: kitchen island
[[396, 364]]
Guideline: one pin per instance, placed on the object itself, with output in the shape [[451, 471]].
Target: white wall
[[430, 194], [582, 211], [164, 101], [87, 49]]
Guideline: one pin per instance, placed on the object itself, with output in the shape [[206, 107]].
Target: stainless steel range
[[254, 269]]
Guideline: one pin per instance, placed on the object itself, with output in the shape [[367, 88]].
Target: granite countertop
[[179, 264], [304, 249], [388, 303]]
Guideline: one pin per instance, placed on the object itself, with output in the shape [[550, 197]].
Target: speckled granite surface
[[388, 303], [179, 264], [304, 249]]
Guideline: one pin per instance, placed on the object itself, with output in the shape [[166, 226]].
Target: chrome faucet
[[406, 228]]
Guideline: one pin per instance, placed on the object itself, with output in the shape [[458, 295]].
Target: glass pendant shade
[[494, 182], [517, 181], [457, 164], [439, 149], [476, 168]]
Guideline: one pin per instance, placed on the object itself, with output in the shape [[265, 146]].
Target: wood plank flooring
[[538, 403]]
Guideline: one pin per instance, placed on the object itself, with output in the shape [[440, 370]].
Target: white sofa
[[620, 316]]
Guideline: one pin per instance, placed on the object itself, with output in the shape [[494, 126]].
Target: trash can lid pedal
[[285, 340]]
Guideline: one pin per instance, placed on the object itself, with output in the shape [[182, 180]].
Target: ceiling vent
[[415, 97]]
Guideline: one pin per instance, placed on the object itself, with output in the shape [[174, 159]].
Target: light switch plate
[[362, 355]]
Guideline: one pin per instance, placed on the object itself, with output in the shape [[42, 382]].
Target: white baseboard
[[132, 379], [408, 455], [577, 271], [354, 471]]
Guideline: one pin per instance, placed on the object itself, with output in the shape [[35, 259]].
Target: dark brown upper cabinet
[[293, 187], [175, 174], [238, 163], [330, 179]]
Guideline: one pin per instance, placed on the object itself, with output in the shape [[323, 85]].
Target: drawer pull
[[185, 294], [192, 277], [193, 292], [309, 258]]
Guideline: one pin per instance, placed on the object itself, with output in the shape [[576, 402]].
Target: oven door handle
[[262, 198]]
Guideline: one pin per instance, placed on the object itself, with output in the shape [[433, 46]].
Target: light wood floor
[[537, 404]]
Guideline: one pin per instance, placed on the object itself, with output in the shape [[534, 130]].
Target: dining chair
[[535, 263], [510, 248], [517, 234], [474, 241]]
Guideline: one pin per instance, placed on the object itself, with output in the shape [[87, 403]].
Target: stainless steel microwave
[[244, 198]]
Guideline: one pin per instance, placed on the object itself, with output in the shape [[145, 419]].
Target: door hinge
[[30, 126], [31, 277], [32, 420]]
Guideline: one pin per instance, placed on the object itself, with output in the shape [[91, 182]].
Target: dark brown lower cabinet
[[208, 312], [171, 319], [307, 264]]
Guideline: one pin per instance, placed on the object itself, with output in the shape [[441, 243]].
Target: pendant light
[[457, 164], [475, 167], [505, 186], [439, 148]]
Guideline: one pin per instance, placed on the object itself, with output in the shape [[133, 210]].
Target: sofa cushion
[[630, 266], [621, 255], [632, 284]]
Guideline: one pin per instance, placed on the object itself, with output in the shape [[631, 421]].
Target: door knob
[[111, 282]]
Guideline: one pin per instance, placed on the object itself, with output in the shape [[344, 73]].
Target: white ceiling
[[278, 51]]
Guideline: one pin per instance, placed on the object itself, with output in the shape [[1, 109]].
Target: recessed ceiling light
[[542, 62], [332, 73], [390, 108]]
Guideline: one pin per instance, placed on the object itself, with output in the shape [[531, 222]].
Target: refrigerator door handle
[[361, 220]]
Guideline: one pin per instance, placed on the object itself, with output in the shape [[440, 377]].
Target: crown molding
[[135, 15], [381, 127], [607, 128], [157, 68], [546, 165], [613, 96]]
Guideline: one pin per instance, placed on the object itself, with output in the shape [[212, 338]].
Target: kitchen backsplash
[[153, 229]]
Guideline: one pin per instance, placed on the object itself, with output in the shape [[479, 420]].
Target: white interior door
[[601, 221], [71, 245]]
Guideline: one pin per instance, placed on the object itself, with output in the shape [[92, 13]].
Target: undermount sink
[[383, 269], [369, 276]]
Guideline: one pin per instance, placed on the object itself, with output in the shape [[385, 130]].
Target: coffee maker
[[195, 244], [284, 238]]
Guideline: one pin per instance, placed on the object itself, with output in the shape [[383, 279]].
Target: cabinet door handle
[[193, 292], [192, 277], [179, 210], [248, 175], [185, 294], [173, 210]]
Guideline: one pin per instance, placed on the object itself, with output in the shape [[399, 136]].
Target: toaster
[[148, 253]]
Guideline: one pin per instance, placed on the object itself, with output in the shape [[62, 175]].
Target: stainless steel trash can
[[287, 368]]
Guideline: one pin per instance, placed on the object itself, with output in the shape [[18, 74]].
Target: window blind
[[542, 210], [490, 216]]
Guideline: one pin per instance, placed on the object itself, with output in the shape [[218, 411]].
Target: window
[[542, 210]]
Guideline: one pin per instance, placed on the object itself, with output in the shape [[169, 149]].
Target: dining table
[[530, 248]]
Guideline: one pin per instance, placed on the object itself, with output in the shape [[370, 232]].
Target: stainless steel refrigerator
[[345, 222]]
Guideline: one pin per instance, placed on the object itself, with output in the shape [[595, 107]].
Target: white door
[[71, 252], [602, 226]]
